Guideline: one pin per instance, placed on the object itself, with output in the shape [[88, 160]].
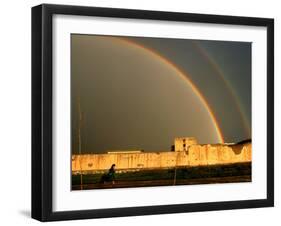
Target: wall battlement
[[187, 153]]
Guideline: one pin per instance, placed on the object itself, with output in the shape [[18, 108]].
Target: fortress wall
[[219, 154], [195, 155]]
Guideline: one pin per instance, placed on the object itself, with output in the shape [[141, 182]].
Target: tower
[[182, 143]]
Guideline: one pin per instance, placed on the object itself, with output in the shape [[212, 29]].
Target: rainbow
[[234, 96], [183, 75]]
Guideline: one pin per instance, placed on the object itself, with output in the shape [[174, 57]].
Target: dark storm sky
[[130, 98]]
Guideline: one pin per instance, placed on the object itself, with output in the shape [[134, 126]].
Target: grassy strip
[[239, 169]]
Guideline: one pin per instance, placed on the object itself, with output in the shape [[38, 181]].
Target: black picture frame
[[42, 107]]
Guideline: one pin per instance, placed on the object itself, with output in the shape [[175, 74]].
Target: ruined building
[[186, 152]]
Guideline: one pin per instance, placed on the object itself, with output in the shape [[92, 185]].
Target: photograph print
[[151, 111]]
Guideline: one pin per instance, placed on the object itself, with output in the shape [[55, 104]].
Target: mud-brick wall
[[195, 155], [219, 154]]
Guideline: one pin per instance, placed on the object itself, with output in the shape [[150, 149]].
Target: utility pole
[[79, 143], [175, 174]]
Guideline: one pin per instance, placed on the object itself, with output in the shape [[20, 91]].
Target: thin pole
[[79, 142], [175, 175]]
